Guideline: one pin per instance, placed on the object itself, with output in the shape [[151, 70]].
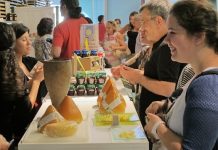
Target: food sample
[[127, 135], [62, 123], [110, 100], [69, 110]]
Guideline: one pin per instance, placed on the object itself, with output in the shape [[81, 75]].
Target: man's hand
[[132, 75], [116, 71]]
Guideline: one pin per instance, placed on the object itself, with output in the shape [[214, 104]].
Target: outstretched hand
[[4, 145], [130, 74]]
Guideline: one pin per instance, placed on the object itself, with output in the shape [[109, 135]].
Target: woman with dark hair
[[192, 120], [118, 21], [66, 38], [130, 25], [16, 101], [42, 44], [131, 30], [36, 89], [10, 81]]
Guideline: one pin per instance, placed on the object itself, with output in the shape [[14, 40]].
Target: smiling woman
[[35, 86], [193, 38]]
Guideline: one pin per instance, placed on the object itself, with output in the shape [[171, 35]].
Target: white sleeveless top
[[174, 118]]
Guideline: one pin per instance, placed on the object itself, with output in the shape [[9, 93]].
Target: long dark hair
[[19, 29], [73, 8], [11, 76], [130, 15], [196, 17]]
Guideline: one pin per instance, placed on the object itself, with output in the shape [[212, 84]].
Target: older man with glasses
[[160, 72]]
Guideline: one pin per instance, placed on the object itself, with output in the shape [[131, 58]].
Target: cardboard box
[[91, 63]]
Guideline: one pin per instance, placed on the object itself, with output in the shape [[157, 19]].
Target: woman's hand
[[155, 107], [150, 122], [4, 145], [39, 74]]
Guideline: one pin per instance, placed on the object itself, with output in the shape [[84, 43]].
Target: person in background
[[132, 34], [17, 101], [131, 30], [114, 46], [66, 37], [101, 29], [36, 88], [89, 20], [43, 43], [192, 120], [118, 21], [129, 26]]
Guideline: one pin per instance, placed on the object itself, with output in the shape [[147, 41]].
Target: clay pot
[[57, 79]]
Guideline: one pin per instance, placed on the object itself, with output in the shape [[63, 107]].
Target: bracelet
[[154, 129]]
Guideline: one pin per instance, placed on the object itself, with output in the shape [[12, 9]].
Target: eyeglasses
[[144, 21]]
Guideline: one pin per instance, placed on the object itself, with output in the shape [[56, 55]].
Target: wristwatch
[[154, 129]]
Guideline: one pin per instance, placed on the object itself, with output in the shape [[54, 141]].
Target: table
[[88, 135]]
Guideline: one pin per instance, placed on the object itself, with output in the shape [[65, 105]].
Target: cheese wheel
[[61, 129]]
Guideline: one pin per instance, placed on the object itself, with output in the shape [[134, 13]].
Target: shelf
[[36, 2], [13, 3]]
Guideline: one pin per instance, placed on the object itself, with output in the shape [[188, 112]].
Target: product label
[[52, 116]]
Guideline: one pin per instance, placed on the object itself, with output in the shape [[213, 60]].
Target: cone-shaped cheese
[[50, 116], [69, 110], [110, 100]]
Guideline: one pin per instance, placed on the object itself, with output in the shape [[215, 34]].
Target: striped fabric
[[186, 74]]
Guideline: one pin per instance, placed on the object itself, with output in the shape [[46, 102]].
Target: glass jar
[[77, 52], [93, 53], [85, 53]]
